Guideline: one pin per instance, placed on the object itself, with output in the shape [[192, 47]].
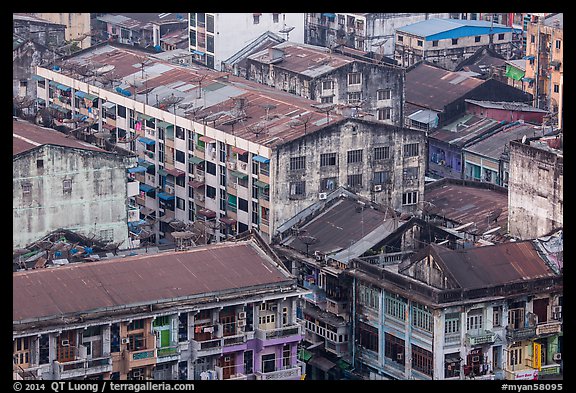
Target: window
[[297, 163], [474, 320], [354, 98], [327, 100], [410, 173], [400, 38], [211, 168], [556, 88], [368, 336], [410, 198], [180, 156], [395, 306], [477, 38], [298, 189], [516, 318], [136, 325], [275, 17], [411, 150], [454, 41], [328, 183], [422, 360], [180, 203], [354, 156], [381, 153], [394, 348], [355, 181], [180, 134], [452, 323], [532, 38], [256, 18], [210, 192], [243, 204], [269, 363], [327, 85], [419, 43], [354, 78], [381, 177], [497, 316], [26, 189], [368, 296], [67, 186], [121, 111], [421, 317], [451, 365], [327, 159], [501, 36], [383, 94], [210, 23], [515, 356], [435, 43], [384, 113], [558, 44]]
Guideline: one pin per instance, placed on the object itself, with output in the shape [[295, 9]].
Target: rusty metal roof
[[503, 263], [246, 109], [434, 88], [141, 280], [27, 136], [463, 204]]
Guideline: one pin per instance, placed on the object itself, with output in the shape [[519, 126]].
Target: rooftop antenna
[[301, 120], [325, 108]]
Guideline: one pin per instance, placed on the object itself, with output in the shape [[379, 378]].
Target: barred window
[[354, 156], [354, 98], [410, 173], [452, 323], [395, 306], [422, 360], [327, 159], [384, 113], [298, 188], [394, 348], [67, 186], [327, 100], [327, 85], [382, 153], [355, 181], [297, 163], [368, 296], [368, 336], [475, 320], [411, 150], [421, 317]]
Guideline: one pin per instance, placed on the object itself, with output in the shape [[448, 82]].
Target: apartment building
[[219, 312], [214, 37], [446, 42], [536, 187], [78, 25], [228, 152], [491, 312], [370, 32], [61, 182], [356, 88], [544, 68]]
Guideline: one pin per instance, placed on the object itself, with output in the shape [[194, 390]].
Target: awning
[[261, 159], [305, 355], [108, 105], [228, 221], [175, 172], [146, 141], [163, 124], [195, 183], [89, 97], [530, 57], [109, 127], [60, 86], [514, 73], [145, 187], [145, 163], [207, 213], [197, 52], [526, 79], [80, 94], [261, 184], [195, 160], [166, 219], [37, 78], [162, 172], [146, 211], [239, 151], [206, 139], [329, 15], [59, 108], [322, 363], [165, 196], [137, 169], [239, 175]]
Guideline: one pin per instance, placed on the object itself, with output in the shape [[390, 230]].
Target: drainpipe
[[354, 323]]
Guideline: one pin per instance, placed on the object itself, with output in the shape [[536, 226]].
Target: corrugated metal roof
[[494, 145], [432, 29], [142, 279], [504, 263]]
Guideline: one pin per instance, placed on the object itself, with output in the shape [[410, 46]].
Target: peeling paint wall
[[535, 191], [341, 137], [96, 203]]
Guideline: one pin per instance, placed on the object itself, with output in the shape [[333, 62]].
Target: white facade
[[219, 36]]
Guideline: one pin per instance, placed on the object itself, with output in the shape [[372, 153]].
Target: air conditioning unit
[[558, 356], [137, 374], [201, 198], [475, 359], [241, 322], [227, 358], [65, 343], [125, 340], [322, 195], [557, 312], [377, 187], [243, 165], [200, 178], [232, 166], [399, 356], [242, 315]]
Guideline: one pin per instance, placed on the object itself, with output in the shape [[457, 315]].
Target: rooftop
[[494, 146], [212, 270], [433, 87], [27, 136], [465, 130], [231, 104], [431, 29]]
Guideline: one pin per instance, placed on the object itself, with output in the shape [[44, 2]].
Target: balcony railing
[[521, 333], [480, 337], [285, 331], [83, 367], [292, 372], [168, 351]]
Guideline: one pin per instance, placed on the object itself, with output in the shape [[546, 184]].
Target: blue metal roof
[[261, 159], [438, 29], [147, 141]]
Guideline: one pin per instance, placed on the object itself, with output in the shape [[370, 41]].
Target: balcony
[[520, 334], [480, 337], [548, 328], [206, 348], [83, 367], [286, 331], [168, 354], [292, 372], [141, 358]]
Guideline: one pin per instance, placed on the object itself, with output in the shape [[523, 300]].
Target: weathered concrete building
[[356, 88], [536, 187], [446, 42], [60, 182]]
